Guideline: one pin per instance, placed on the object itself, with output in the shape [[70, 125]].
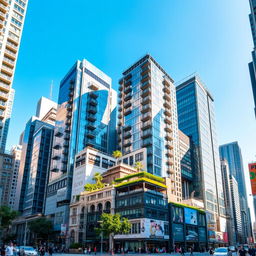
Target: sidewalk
[[134, 254]]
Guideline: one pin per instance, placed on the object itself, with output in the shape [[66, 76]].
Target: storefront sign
[[202, 234], [252, 170], [178, 232]]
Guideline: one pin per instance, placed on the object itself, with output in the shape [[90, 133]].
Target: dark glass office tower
[[252, 65], [196, 118], [231, 152], [36, 154], [85, 117]]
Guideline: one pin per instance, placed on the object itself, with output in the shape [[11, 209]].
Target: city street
[[135, 254]]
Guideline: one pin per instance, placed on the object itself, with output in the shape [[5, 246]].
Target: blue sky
[[211, 38]]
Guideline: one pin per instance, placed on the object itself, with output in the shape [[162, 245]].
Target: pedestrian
[[229, 252], [241, 251], [211, 251], [50, 251], [191, 251], [9, 250], [89, 250], [182, 251], [95, 250]]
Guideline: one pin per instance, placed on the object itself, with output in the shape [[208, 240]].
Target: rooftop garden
[[140, 177], [142, 174]]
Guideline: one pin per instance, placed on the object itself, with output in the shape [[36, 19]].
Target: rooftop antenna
[[51, 87]]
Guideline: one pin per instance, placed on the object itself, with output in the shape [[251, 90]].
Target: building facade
[[12, 17], [148, 119], [186, 163], [85, 117], [35, 141], [16, 152], [252, 64], [196, 117], [232, 153], [231, 227], [6, 174]]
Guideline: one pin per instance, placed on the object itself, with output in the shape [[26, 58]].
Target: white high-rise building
[[12, 16]]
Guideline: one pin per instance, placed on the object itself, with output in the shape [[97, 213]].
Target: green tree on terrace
[[111, 225], [138, 166], [98, 183], [117, 155]]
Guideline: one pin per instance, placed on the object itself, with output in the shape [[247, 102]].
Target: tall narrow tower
[[148, 119], [12, 16]]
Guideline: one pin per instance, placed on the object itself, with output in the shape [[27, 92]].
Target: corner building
[[148, 119], [85, 117]]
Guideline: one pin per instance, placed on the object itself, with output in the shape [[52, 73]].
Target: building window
[[104, 163], [138, 157]]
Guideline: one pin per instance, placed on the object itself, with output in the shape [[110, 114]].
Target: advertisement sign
[[190, 216], [191, 234], [252, 170], [178, 232], [202, 234], [63, 229], [149, 228], [177, 214]]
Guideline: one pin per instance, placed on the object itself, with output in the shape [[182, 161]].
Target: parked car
[[232, 248], [29, 250], [221, 251]]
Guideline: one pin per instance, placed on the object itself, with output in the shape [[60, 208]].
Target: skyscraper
[[12, 17], [85, 117], [234, 222], [252, 65], [148, 119], [35, 159], [197, 119], [16, 153], [232, 153]]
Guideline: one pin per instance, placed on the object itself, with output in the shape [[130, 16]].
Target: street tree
[[111, 225], [41, 228]]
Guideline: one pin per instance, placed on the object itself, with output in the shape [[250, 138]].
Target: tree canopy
[[7, 215], [41, 227], [113, 224]]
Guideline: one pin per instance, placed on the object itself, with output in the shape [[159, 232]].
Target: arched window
[[107, 206], [92, 208], [99, 207]]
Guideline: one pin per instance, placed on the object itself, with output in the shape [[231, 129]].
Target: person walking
[[95, 250], [9, 250]]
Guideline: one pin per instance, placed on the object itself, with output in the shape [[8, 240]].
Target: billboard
[[178, 232], [149, 228], [252, 170], [190, 216], [177, 213], [191, 234]]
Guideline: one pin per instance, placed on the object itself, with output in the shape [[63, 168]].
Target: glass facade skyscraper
[[252, 65], [148, 119], [197, 119], [86, 116], [231, 152]]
